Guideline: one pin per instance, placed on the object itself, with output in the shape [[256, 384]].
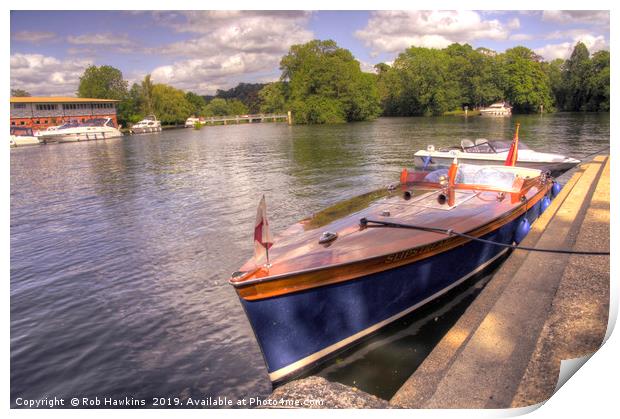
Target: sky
[[203, 51]]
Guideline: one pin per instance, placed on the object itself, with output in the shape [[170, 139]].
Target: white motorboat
[[485, 152], [21, 136], [148, 124], [191, 122], [93, 129], [497, 109]]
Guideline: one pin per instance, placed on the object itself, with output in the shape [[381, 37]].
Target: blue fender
[[523, 228]]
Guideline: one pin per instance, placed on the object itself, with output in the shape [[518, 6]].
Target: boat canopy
[[21, 131], [471, 176]]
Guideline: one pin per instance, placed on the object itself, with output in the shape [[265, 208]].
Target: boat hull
[[297, 331]]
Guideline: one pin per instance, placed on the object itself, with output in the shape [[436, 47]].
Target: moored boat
[[148, 124], [485, 152], [497, 109], [92, 129], [330, 280], [21, 136]]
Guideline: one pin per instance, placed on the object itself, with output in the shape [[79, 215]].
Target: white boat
[[21, 136], [148, 124], [497, 109], [485, 152], [191, 122], [93, 129]]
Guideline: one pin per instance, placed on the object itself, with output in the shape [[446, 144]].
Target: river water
[[121, 249]]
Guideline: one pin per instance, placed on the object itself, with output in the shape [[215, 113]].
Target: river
[[121, 249]]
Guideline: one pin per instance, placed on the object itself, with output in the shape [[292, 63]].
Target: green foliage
[[599, 82], [247, 93], [317, 109], [325, 85], [104, 82], [420, 83], [526, 85], [170, 104], [196, 102], [273, 97], [223, 107], [19, 93]]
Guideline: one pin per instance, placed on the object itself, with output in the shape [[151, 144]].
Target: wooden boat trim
[[272, 286]]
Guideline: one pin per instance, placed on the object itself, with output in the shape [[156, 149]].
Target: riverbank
[[506, 349]]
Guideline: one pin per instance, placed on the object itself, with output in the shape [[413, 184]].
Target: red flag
[[262, 236], [511, 158]]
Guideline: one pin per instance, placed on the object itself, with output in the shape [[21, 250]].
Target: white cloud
[[100, 39], [599, 17], [41, 75], [563, 50], [521, 37], [228, 45], [393, 31], [33, 36], [513, 23]]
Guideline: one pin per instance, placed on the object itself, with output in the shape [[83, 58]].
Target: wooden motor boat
[[348, 271]]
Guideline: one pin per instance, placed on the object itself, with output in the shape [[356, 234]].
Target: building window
[[47, 107], [37, 122], [12, 122], [45, 121], [21, 123], [19, 106]]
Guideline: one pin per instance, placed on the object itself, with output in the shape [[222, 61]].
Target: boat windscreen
[[501, 146], [470, 174]]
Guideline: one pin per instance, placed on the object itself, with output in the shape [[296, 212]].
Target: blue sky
[[207, 50]]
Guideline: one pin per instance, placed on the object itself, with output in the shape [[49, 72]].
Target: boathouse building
[[42, 112]]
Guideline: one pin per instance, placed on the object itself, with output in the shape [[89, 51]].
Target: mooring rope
[[596, 152], [449, 232]]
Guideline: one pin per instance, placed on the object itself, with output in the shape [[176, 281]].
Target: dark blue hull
[[296, 331]]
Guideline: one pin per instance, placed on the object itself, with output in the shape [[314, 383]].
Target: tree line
[[323, 83]]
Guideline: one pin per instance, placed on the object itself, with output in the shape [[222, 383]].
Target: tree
[[327, 85], [273, 97], [577, 78], [130, 110], [223, 107], [147, 94], [19, 93], [554, 71], [196, 102], [420, 83], [170, 104], [248, 93], [527, 86], [104, 82], [599, 84]]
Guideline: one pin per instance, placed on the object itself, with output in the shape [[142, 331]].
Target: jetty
[[538, 309], [261, 117]]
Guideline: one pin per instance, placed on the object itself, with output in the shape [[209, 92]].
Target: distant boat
[[486, 152], [352, 269], [148, 124], [21, 136], [191, 122], [497, 109], [92, 129]]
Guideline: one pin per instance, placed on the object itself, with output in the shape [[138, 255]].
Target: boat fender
[[523, 228], [407, 195], [544, 204], [555, 189]]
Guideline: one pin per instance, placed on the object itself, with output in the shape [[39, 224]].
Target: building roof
[[57, 99]]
